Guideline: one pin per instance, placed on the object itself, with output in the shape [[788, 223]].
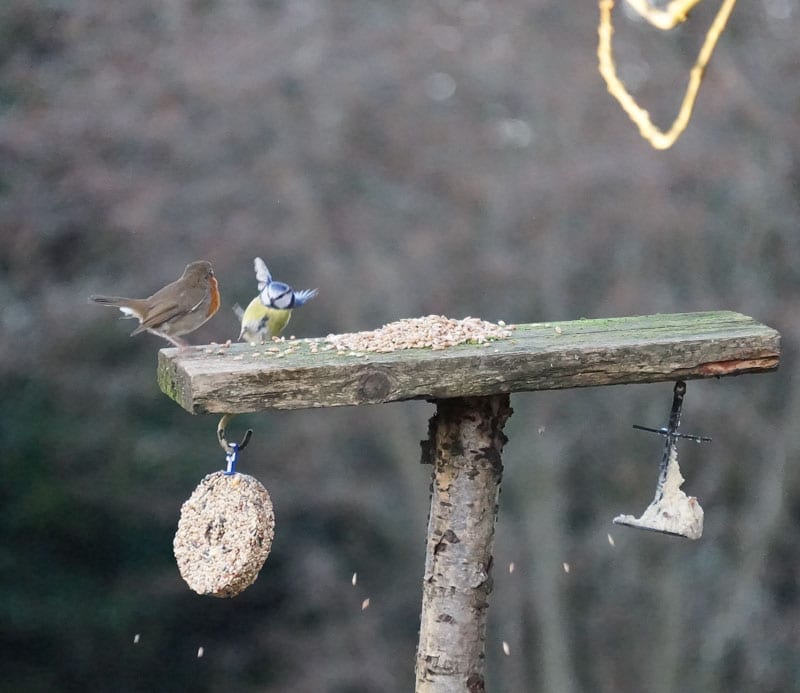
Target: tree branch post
[[464, 445]]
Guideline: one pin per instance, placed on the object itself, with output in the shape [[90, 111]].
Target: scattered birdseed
[[136, 639], [511, 567], [506, 649], [200, 651], [365, 604], [355, 579], [611, 540], [224, 534], [433, 332], [566, 567]]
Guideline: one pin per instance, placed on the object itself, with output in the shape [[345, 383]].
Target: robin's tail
[[130, 307]]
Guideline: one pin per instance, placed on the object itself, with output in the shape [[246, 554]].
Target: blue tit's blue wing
[[303, 296], [262, 273]]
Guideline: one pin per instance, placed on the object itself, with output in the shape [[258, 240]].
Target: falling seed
[[506, 649], [355, 579], [540, 430], [365, 604], [136, 639], [611, 540], [566, 567], [200, 652], [511, 567]]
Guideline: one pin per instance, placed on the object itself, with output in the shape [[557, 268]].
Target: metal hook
[[665, 432], [232, 450], [670, 432]]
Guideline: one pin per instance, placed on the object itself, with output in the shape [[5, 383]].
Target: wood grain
[[539, 356]]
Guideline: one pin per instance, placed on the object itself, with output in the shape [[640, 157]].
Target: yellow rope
[[672, 15]]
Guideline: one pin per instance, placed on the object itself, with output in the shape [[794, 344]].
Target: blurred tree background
[[459, 157]]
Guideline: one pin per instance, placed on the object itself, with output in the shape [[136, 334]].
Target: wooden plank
[[540, 356]]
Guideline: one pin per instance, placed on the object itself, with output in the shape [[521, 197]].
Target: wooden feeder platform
[[470, 385]]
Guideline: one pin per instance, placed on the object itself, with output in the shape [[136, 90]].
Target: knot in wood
[[476, 684], [374, 385]]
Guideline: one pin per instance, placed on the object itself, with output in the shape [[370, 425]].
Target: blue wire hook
[[232, 450]]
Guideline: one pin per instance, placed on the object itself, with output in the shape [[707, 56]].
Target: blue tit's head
[[278, 295]]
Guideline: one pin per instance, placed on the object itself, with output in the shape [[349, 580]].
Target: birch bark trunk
[[465, 443]]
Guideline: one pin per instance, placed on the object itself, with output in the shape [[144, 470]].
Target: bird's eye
[[284, 300]]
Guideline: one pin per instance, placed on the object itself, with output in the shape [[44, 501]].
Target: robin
[[177, 309]]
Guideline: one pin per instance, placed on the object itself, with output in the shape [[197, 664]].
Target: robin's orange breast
[[214, 288]]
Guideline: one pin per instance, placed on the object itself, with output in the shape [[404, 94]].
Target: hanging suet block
[[224, 534]]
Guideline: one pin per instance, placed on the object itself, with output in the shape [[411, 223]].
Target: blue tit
[[268, 313]]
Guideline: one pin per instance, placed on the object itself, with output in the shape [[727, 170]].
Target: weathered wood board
[[539, 356]]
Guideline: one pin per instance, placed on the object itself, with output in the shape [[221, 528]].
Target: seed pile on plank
[[432, 331]]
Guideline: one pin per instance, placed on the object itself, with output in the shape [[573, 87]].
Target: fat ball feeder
[[226, 527]]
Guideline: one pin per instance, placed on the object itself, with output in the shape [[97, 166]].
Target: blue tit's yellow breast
[[259, 318]]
